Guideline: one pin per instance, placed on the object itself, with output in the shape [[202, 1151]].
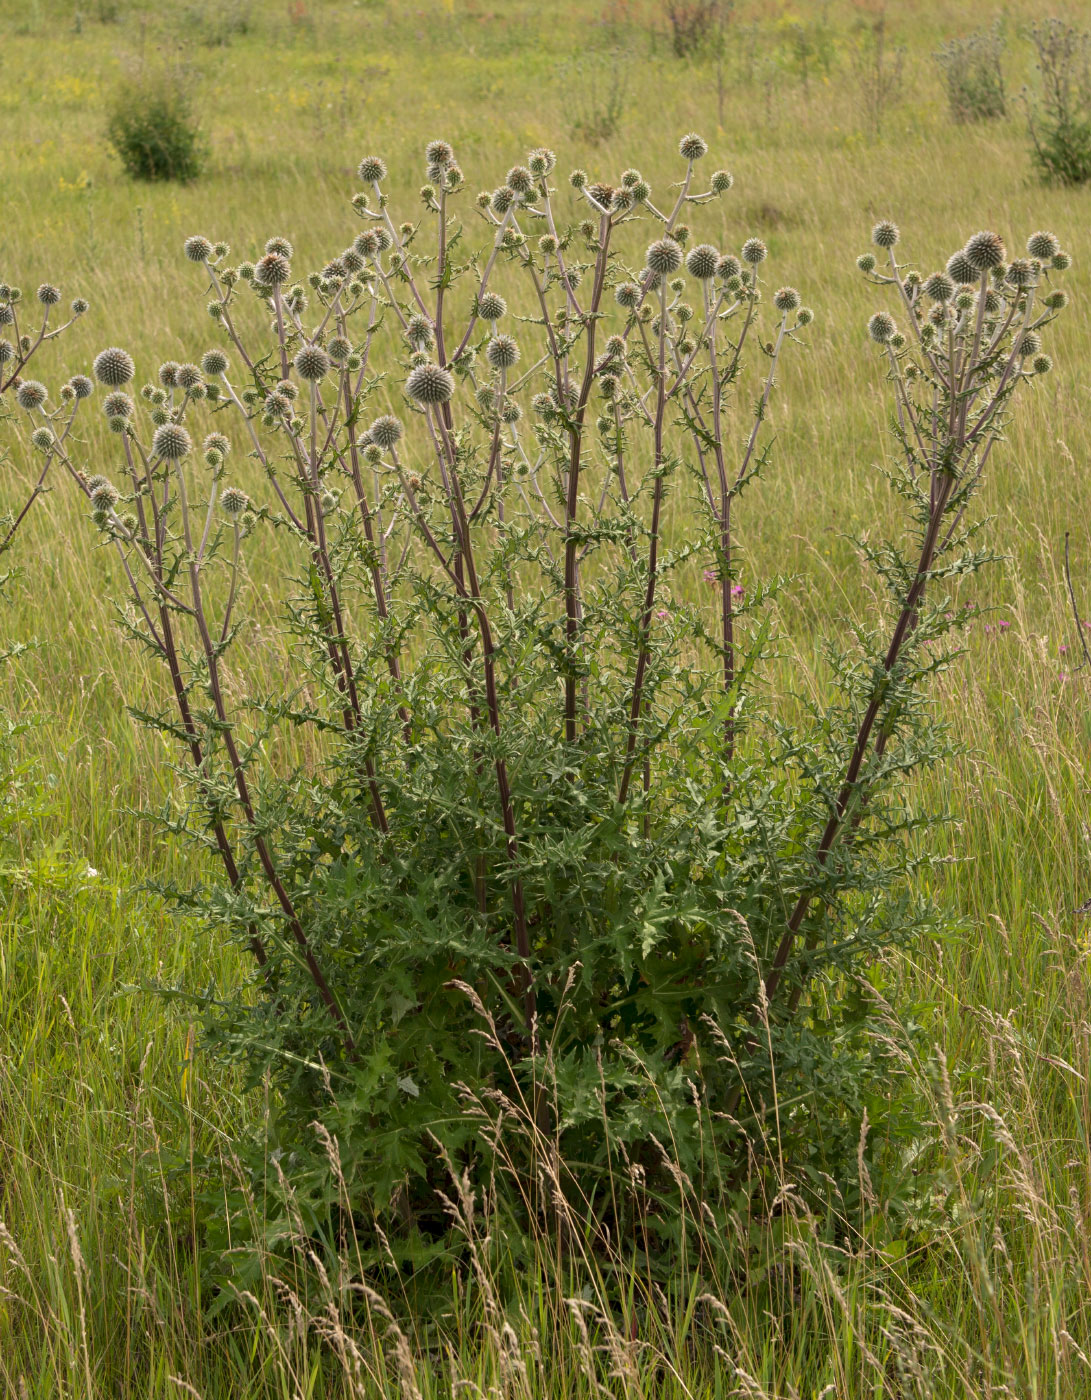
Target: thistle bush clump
[[973, 74], [153, 131], [1060, 119], [550, 905]]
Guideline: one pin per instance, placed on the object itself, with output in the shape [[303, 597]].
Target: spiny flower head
[[881, 328], [197, 248], [430, 384], [804, 316], [272, 270], [503, 197], [42, 438], [367, 244], [728, 267], [692, 146], [627, 294], [939, 287], [117, 404], [721, 181], [520, 179], [114, 367], [213, 362], [540, 162], [702, 261], [664, 257], [1061, 261], [885, 234], [171, 442], [217, 442], [419, 332], [281, 247], [1043, 246], [984, 251], [502, 351], [48, 294], [82, 386], [1020, 273], [787, 299], [1029, 343], [491, 306], [30, 395], [339, 349], [79, 305], [386, 431], [439, 153], [312, 363], [866, 262], [372, 170], [234, 501], [104, 496], [1041, 364], [188, 376], [960, 269], [754, 251]]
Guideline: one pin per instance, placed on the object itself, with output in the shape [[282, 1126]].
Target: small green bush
[[1060, 124], [973, 75], [154, 133]]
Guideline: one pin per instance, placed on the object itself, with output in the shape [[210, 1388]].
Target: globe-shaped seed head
[[197, 248], [339, 349], [213, 362], [961, 270], [79, 305], [430, 384], [702, 262], [189, 376], [280, 246], [272, 270], [1043, 246], [866, 262], [502, 352], [692, 146], [312, 363], [984, 251], [1041, 364], [48, 294], [491, 306], [42, 438], [233, 501], [30, 395], [754, 251], [541, 161], [82, 386], [386, 431], [511, 412], [663, 258], [104, 496], [885, 234], [1061, 261], [1029, 343], [721, 181], [1020, 272], [520, 179], [881, 328], [419, 331], [171, 442], [787, 299], [117, 404], [114, 367], [578, 179], [627, 295], [939, 287], [804, 316], [1056, 300]]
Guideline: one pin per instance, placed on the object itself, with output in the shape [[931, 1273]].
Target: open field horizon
[[94, 1069]]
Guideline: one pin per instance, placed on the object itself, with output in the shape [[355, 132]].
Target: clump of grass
[[153, 131]]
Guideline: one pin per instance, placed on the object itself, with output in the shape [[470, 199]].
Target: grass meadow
[[100, 1292]]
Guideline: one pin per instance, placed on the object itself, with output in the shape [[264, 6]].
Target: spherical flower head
[[171, 442], [885, 234], [1020, 273], [234, 501], [804, 316], [1061, 262], [964, 301], [1041, 364], [42, 438], [79, 305], [881, 328], [1055, 300], [217, 443], [189, 377], [272, 270], [702, 262], [984, 251], [520, 179], [754, 251], [48, 294], [491, 306], [104, 496], [439, 153], [992, 303], [1043, 245], [692, 146], [502, 352], [373, 454], [367, 244], [30, 395], [627, 295], [386, 431], [117, 404], [540, 162], [339, 349], [721, 181], [939, 287], [430, 384], [663, 258], [82, 386], [7, 316], [372, 170], [114, 367], [961, 270], [419, 331], [312, 363], [197, 248], [544, 406], [329, 501], [1029, 343], [280, 246], [866, 262], [213, 362], [503, 197], [578, 179], [511, 412], [622, 201], [787, 299]]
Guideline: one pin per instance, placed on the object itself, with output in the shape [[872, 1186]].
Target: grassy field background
[[95, 1074]]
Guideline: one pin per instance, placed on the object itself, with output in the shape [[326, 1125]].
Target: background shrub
[[1060, 122], [973, 74], [154, 133]]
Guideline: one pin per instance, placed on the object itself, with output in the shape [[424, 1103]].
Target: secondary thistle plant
[[547, 892]]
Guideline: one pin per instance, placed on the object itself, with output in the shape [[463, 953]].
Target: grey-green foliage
[[973, 74], [554, 902]]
